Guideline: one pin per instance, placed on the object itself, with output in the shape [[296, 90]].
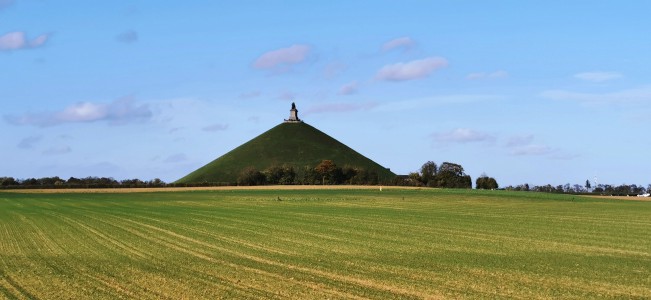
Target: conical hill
[[295, 144]]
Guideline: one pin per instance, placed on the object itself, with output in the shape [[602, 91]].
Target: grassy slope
[[296, 144], [323, 244]]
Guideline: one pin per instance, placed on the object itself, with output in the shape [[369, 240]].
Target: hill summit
[[292, 143]]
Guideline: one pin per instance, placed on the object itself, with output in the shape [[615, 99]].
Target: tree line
[[72, 182], [587, 188], [447, 175], [325, 173]]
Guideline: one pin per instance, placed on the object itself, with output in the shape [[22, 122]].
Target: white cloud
[[642, 94], [215, 127], [405, 43], [282, 57], [411, 70], [118, 112], [349, 89], [127, 37], [598, 76], [462, 135], [17, 40], [492, 75]]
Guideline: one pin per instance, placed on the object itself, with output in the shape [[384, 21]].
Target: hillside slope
[[295, 144]]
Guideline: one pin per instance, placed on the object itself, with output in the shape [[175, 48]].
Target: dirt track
[[622, 198], [214, 188]]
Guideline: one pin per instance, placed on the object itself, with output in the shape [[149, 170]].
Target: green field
[[318, 244]]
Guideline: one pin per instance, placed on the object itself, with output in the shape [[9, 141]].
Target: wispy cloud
[[415, 69], [176, 158], [523, 145], [520, 140], [339, 108], [127, 37], [58, 150], [333, 69], [215, 127], [636, 95], [175, 129], [118, 112], [349, 89], [598, 76], [287, 96], [532, 150], [438, 100], [249, 95], [490, 75], [29, 142], [462, 136], [17, 40], [6, 3], [404, 43], [283, 57]]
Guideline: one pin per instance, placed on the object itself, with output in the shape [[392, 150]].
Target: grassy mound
[[295, 144]]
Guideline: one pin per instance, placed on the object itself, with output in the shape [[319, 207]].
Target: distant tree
[[251, 176], [8, 181], [289, 175], [131, 183], [428, 171], [309, 176], [156, 182], [348, 173], [451, 175], [362, 177], [413, 179], [588, 186], [484, 182], [273, 174], [325, 169]]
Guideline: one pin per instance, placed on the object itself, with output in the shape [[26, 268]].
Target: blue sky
[[550, 92]]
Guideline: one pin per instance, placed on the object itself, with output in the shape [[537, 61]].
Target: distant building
[[293, 115]]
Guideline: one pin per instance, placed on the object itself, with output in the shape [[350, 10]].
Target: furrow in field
[[485, 235], [14, 290], [56, 256], [382, 286], [13, 284], [206, 257], [244, 221], [105, 240], [292, 227], [147, 257]]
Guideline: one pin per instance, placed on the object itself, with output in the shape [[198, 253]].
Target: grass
[[294, 144], [408, 244]]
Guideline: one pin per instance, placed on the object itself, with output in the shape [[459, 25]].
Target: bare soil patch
[[213, 188], [629, 198]]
